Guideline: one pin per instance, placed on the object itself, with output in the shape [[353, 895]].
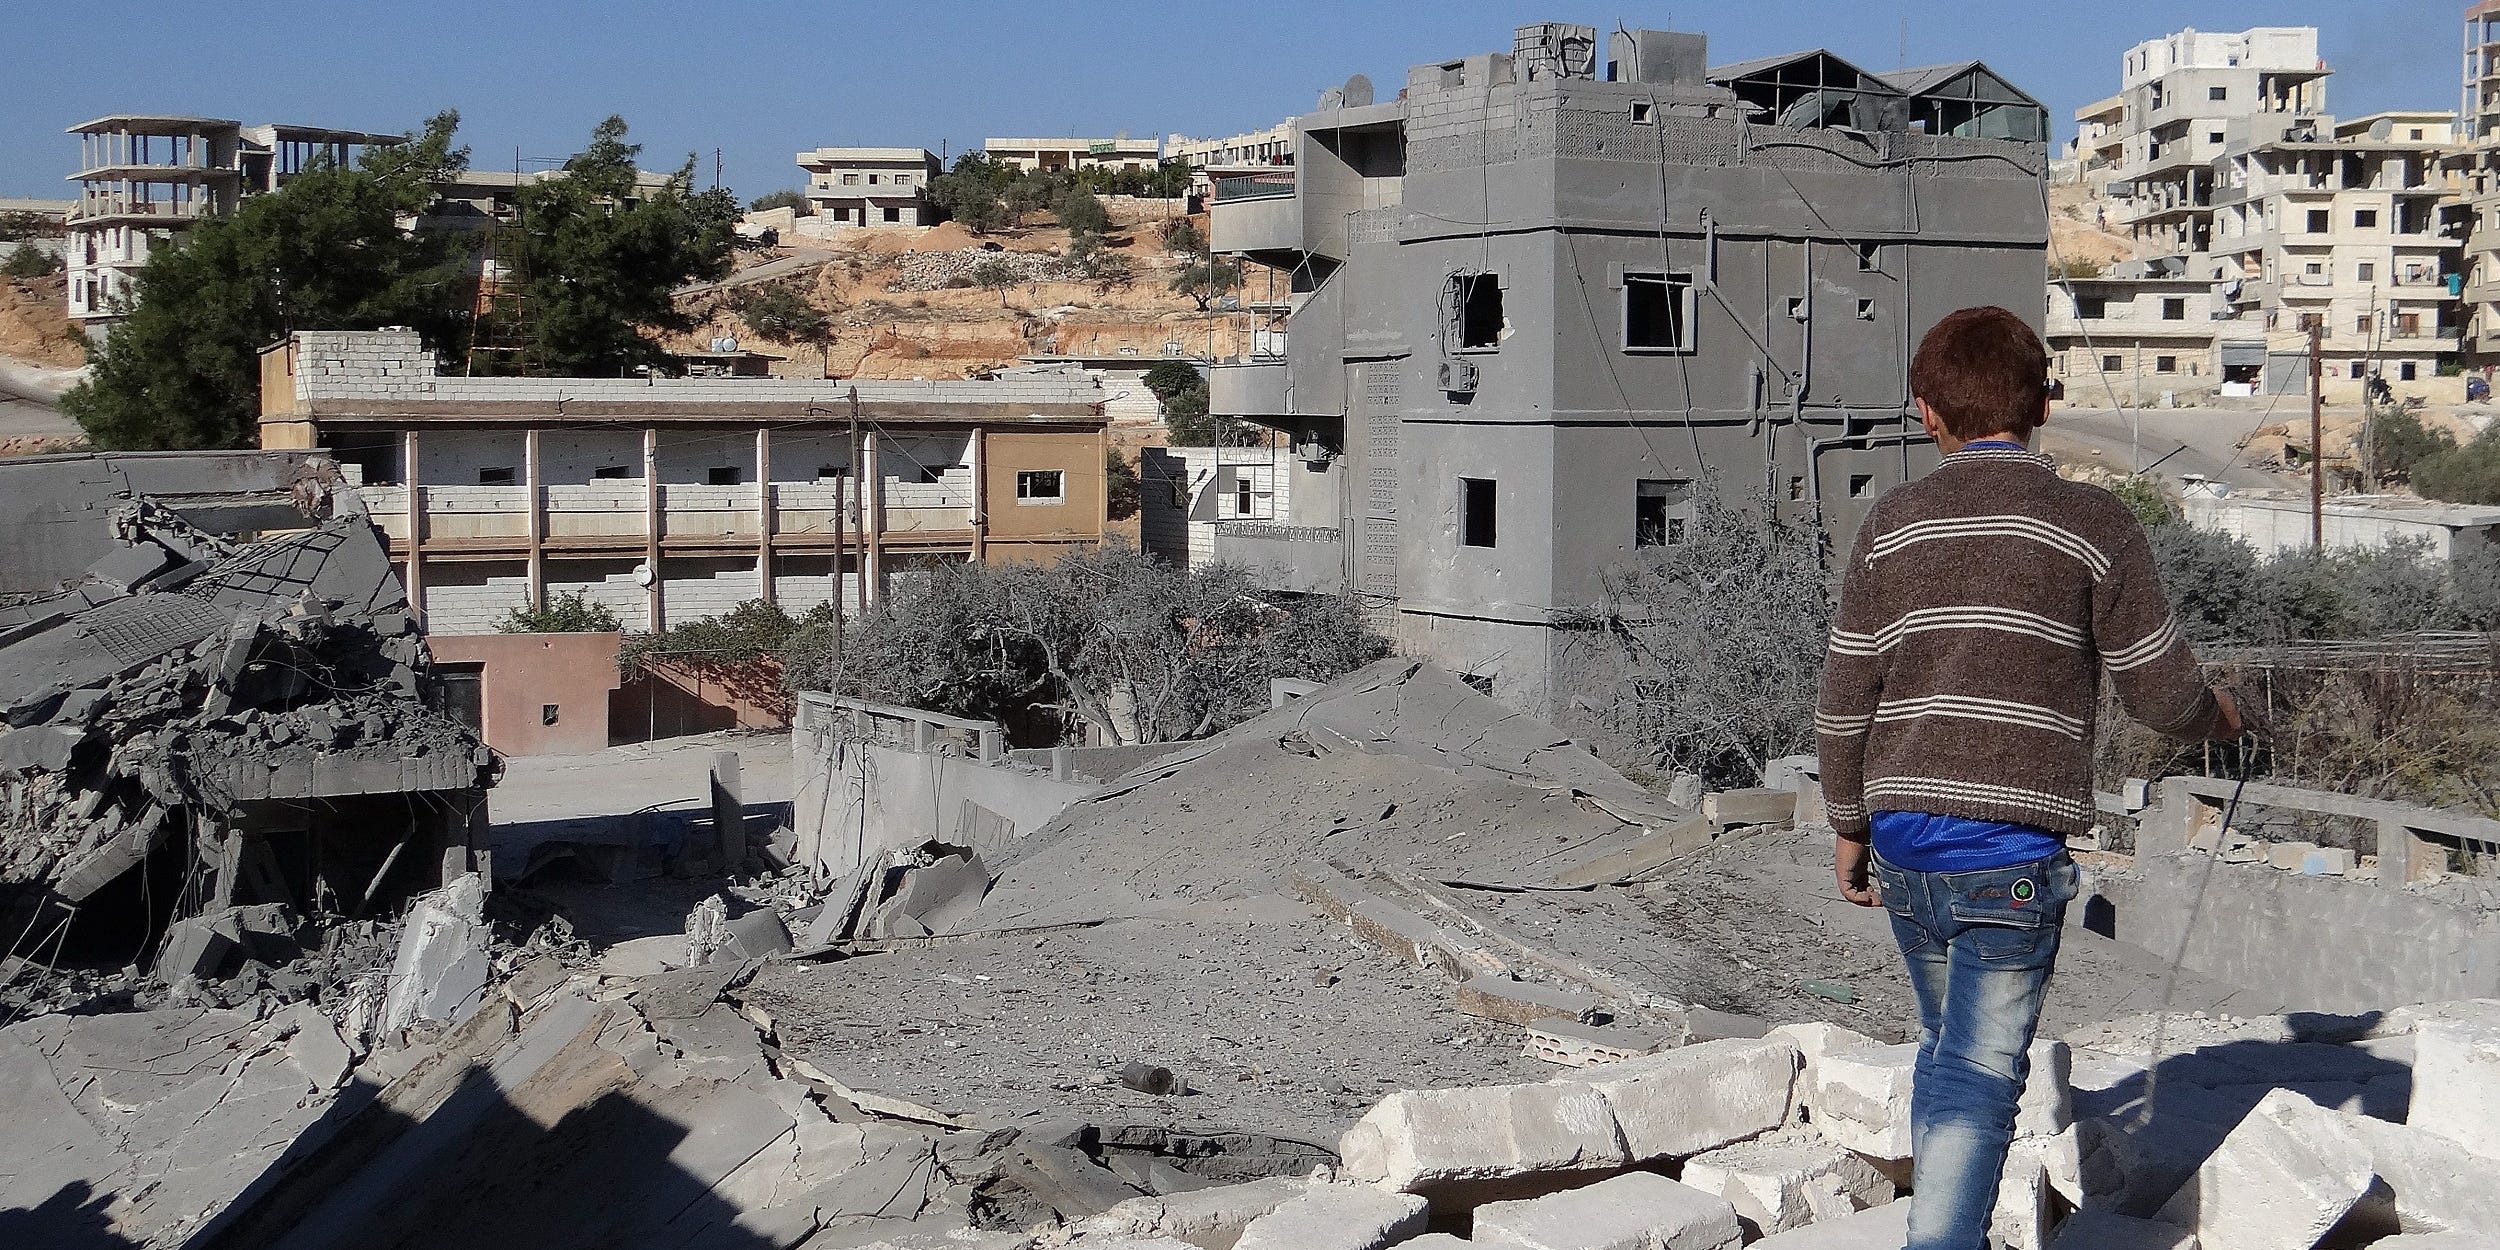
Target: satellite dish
[[2381, 129], [1357, 91], [642, 574]]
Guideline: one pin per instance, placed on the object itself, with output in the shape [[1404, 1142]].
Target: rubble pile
[[937, 271], [253, 712]]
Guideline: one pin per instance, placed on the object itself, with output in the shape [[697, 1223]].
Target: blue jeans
[[1979, 945]]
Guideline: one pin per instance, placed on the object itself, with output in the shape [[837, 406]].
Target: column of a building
[[654, 595], [764, 511], [537, 512], [980, 458], [415, 505]]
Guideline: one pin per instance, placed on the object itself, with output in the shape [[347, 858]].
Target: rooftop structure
[[144, 178], [1539, 305]]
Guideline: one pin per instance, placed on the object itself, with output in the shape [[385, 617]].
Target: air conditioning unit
[[1458, 377]]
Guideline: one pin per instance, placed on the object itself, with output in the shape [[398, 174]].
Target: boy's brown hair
[[1984, 372]]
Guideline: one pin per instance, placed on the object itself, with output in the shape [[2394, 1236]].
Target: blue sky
[[762, 82]]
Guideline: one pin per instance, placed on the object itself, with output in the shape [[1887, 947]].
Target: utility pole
[[716, 169], [2317, 450]]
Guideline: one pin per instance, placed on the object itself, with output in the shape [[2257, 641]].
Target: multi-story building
[[144, 179], [1054, 155], [1202, 505], [2099, 147], [2180, 94], [2125, 341], [2339, 225], [1209, 159], [2477, 166], [1538, 308], [674, 499], [870, 186]]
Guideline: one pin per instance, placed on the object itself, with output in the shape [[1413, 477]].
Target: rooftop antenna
[[1902, 57]]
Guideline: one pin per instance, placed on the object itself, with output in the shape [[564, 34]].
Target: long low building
[[673, 499]]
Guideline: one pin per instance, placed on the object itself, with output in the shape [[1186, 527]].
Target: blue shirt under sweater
[[1926, 842]]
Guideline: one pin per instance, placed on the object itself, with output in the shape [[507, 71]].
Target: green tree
[[1181, 237], [783, 312], [1082, 213], [1204, 280], [995, 274], [605, 256], [2398, 441], [570, 612], [970, 192], [790, 197], [1170, 377], [2144, 499], [2464, 474], [324, 252], [29, 262]]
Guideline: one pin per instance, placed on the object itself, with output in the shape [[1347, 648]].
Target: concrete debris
[[443, 956], [1336, 1217], [1777, 1184], [2282, 1179], [1634, 1211]]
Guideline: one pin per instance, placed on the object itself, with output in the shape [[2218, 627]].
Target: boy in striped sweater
[[1979, 608]]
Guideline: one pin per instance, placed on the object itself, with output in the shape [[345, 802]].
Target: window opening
[[1657, 312], [1475, 508], [1040, 486]]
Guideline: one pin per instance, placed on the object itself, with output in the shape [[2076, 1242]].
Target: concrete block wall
[[797, 592], [692, 594], [371, 364], [473, 609]]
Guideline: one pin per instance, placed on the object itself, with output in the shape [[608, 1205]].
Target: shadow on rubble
[[2151, 1133], [72, 1219], [479, 1170]]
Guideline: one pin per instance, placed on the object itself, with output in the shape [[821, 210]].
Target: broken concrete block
[[2025, 1207], [2279, 1181], [2426, 1181], [2102, 1229], [2456, 1079], [1813, 1040], [1776, 1185], [1861, 1099], [939, 896], [2328, 861], [39, 748], [1571, 1044], [755, 935], [1701, 1024], [644, 956], [202, 947], [1520, 1002], [315, 1046], [1695, 1098], [1634, 1211], [707, 930], [1415, 1140], [2289, 856], [1214, 1215], [443, 956], [2047, 1104], [1336, 1217], [1880, 1228], [1727, 809]]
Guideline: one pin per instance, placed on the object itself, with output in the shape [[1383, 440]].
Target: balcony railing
[[1254, 186]]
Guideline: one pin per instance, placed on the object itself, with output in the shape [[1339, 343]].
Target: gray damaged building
[[233, 733], [1536, 302]]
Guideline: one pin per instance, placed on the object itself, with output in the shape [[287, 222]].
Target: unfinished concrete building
[[144, 179], [2182, 92], [870, 187], [673, 499], [2476, 167], [1539, 302]]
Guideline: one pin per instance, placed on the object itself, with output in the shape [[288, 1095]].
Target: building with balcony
[[1057, 155], [2180, 94], [674, 499], [2342, 225], [2475, 213], [2100, 145], [869, 187], [1538, 304], [1250, 152], [144, 179], [2127, 341]]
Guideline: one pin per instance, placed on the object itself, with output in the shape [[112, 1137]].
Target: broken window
[[1641, 112], [1870, 257], [1866, 310], [724, 475], [2174, 310], [1041, 486], [1475, 511], [1476, 304], [1657, 312], [499, 476], [1661, 511], [1860, 483]]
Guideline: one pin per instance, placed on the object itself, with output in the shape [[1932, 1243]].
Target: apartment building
[[2180, 95], [1539, 305], [674, 499], [2476, 165], [2099, 147], [2339, 224], [1056, 155], [1249, 152], [2127, 341], [870, 187], [144, 179]]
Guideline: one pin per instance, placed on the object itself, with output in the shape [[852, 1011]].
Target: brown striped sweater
[[1980, 606]]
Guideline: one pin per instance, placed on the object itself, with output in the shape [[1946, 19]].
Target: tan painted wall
[[1077, 518], [525, 672]]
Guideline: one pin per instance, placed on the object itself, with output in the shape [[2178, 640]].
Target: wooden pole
[[2317, 448]]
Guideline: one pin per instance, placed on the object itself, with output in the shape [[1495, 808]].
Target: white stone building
[[2180, 94], [869, 187], [1053, 155]]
